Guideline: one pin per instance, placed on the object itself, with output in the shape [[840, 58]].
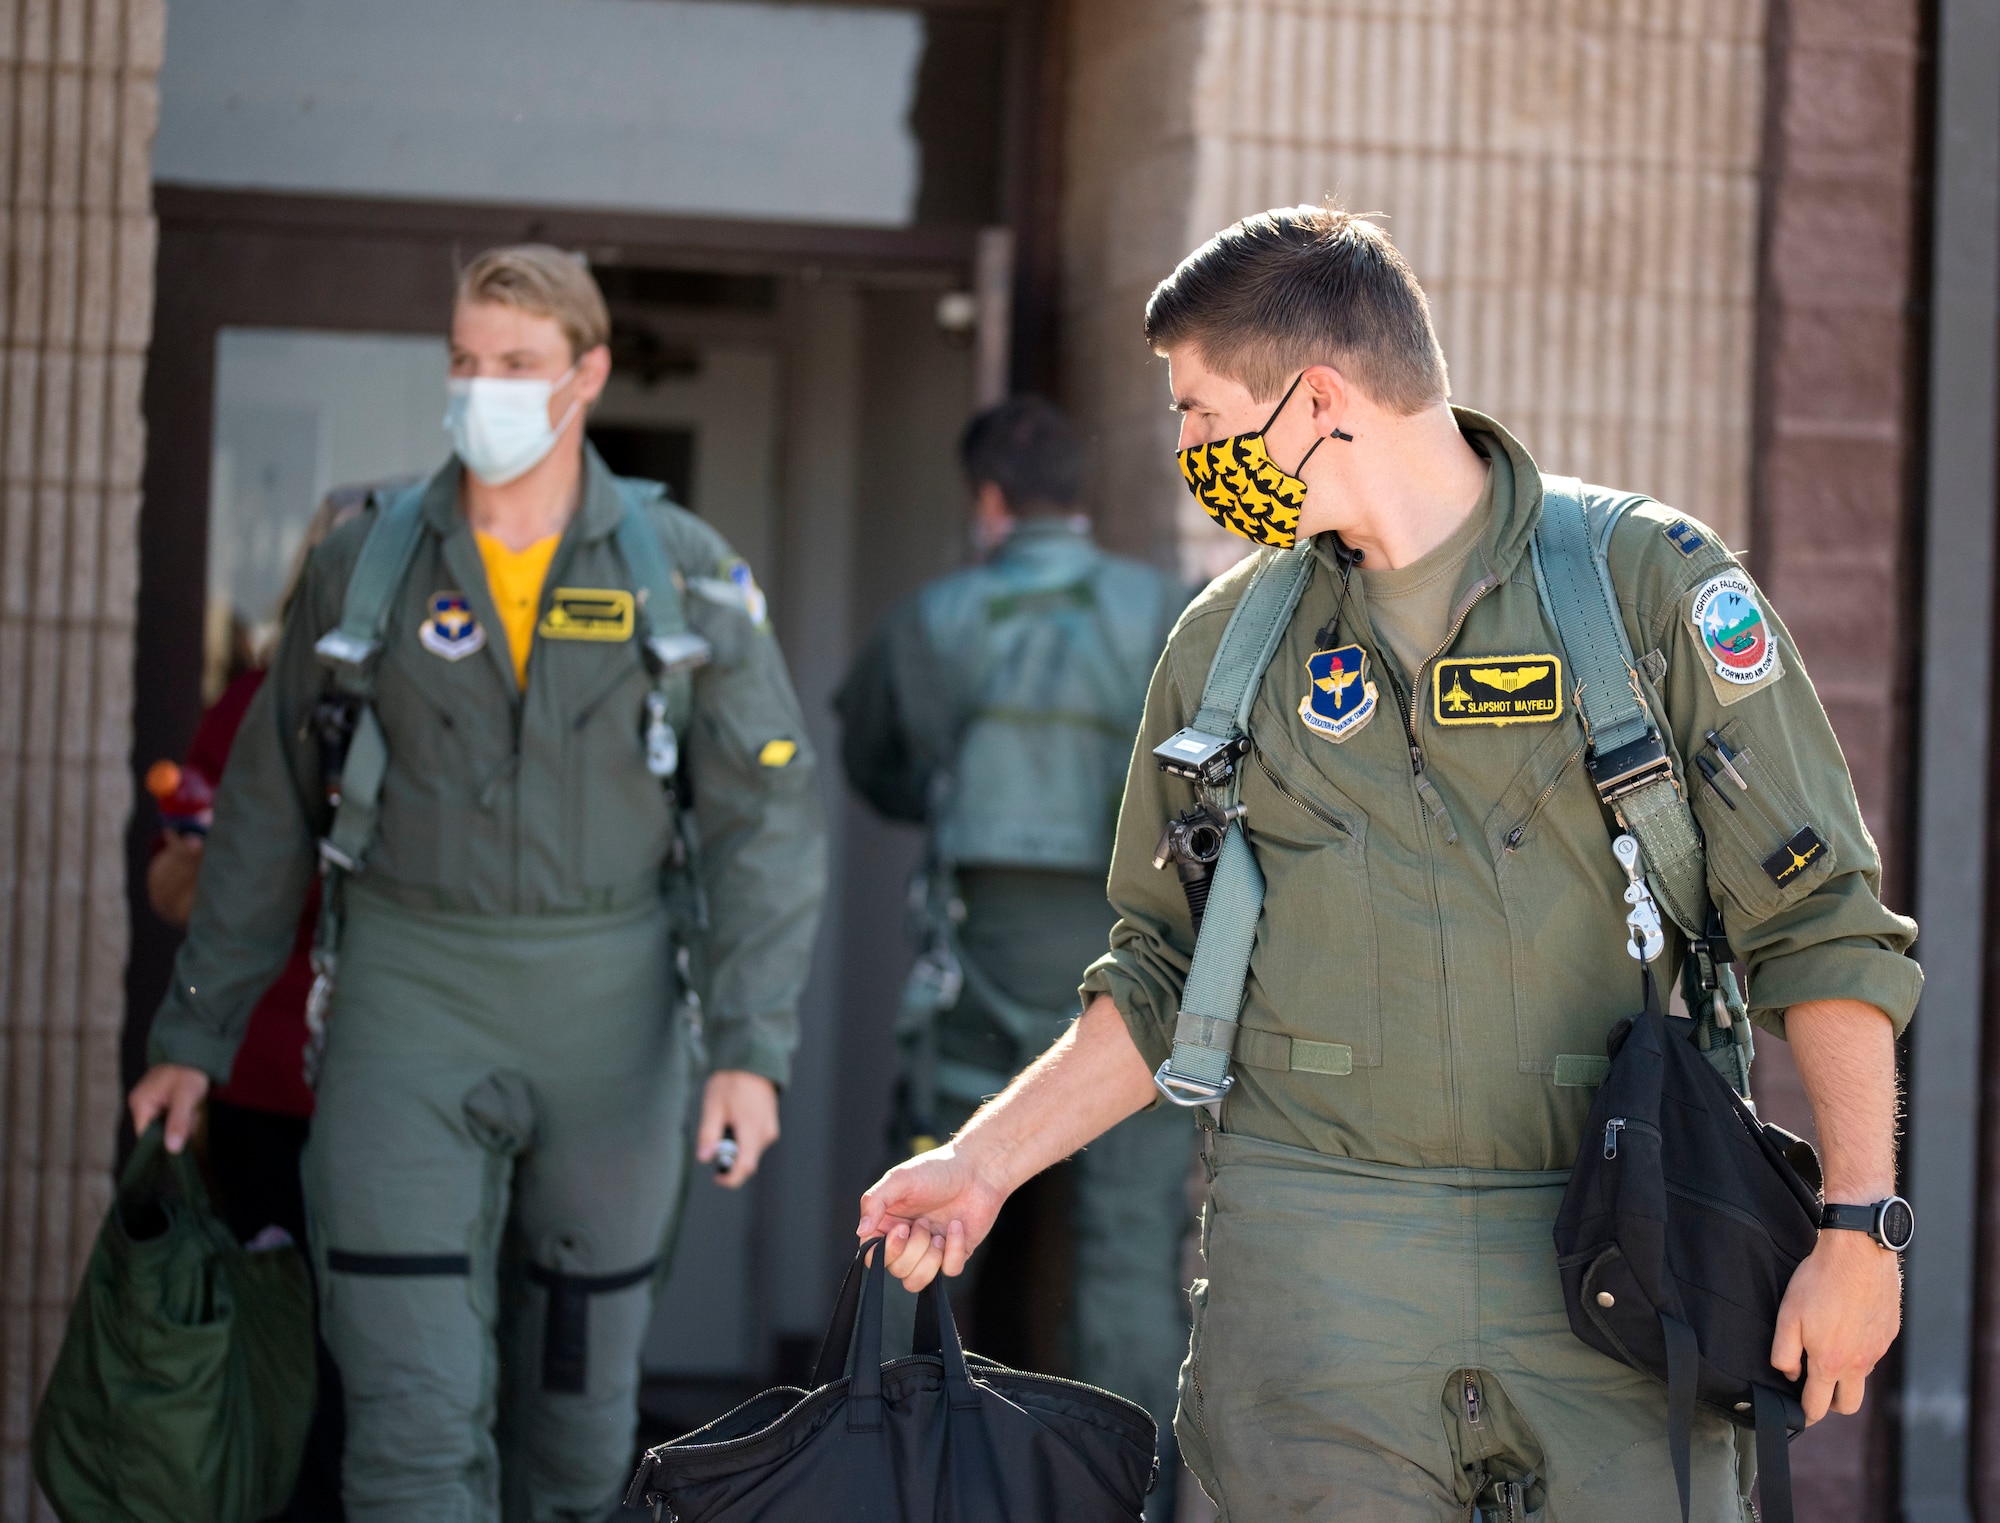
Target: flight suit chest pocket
[[1561, 890], [1764, 849], [622, 818], [1313, 975]]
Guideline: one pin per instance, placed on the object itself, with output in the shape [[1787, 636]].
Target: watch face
[[1897, 1223]]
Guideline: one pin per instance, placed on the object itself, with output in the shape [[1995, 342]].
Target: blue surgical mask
[[500, 427]]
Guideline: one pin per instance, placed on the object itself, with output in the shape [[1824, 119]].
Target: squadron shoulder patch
[[1794, 857], [1737, 640], [1339, 697], [451, 631], [736, 587], [587, 613], [1684, 537], [1497, 690]]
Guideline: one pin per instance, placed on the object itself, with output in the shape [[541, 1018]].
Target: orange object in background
[[185, 798]]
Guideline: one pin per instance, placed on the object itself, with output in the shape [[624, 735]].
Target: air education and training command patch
[[451, 631], [1737, 639], [1497, 690], [1339, 697]]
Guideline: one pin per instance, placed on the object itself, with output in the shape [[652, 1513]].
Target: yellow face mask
[[1242, 488]]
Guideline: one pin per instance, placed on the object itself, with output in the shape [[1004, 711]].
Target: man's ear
[[1332, 397], [593, 371]]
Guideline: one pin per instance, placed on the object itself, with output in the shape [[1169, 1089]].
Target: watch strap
[[1848, 1218]]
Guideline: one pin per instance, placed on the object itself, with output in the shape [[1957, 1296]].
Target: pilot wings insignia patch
[[1497, 690]]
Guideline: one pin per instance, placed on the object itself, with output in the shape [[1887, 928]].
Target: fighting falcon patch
[[1684, 537], [735, 588], [1497, 690], [451, 631], [1741, 649], [588, 613], [1339, 697], [1794, 857]]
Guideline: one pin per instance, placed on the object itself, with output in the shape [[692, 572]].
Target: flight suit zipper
[[1432, 800], [1333, 821], [1513, 840]]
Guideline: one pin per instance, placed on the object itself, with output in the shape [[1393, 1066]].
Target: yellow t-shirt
[[515, 578]]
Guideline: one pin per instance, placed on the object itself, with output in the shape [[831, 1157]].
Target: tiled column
[[77, 107], [1574, 183]]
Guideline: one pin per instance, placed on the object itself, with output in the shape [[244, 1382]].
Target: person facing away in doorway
[[996, 708], [506, 706], [1381, 1332]]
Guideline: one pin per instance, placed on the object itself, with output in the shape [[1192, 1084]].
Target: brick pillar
[[1576, 186], [1837, 431], [77, 107]]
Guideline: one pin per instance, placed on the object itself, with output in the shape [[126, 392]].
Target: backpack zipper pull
[[1611, 1130]]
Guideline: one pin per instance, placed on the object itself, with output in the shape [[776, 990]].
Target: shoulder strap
[[350, 647], [1197, 1071], [668, 638], [1628, 759]]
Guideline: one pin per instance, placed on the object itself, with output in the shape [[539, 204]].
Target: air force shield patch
[[451, 631], [1339, 697]]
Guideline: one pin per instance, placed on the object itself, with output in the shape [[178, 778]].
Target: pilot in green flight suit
[[1442, 946], [997, 708], [594, 874]]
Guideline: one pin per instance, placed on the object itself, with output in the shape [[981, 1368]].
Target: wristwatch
[[1890, 1222]]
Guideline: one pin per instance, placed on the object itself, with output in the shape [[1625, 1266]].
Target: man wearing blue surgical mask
[[533, 700]]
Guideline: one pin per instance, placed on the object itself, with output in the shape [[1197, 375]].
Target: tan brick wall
[[77, 108], [1574, 182]]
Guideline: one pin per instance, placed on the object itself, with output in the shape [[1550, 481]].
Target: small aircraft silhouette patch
[[1497, 690], [1794, 857], [1339, 697]]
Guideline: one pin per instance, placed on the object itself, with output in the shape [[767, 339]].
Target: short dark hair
[[1300, 286], [1026, 447]]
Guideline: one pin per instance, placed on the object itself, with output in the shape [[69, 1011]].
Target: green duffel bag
[[186, 1382]]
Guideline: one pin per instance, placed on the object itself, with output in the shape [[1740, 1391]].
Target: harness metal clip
[[1648, 939]]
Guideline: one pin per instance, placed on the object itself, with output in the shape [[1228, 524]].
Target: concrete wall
[[1575, 184], [77, 106]]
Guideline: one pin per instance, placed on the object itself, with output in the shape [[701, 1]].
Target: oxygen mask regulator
[[1192, 841]]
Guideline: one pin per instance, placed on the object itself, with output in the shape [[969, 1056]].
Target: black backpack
[[1683, 1221], [942, 1436]]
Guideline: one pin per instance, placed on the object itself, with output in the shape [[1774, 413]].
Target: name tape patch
[[1794, 857], [1497, 690], [588, 613]]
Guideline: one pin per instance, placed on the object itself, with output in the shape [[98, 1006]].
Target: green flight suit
[[1442, 927], [1030, 924], [501, 1145]]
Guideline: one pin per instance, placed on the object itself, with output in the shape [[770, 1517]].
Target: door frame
[[272, 260]]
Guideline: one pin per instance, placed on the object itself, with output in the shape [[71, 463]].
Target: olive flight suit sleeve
[[891, 707], [260, 858], [1791, 863], [1152, 943], [762, 838]]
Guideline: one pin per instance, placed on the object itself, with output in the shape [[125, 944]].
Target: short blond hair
[[548, 282]]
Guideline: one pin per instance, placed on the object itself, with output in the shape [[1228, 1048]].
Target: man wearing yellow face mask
[[1399, 1067]]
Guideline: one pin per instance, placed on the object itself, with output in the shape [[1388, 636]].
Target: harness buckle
[[1646, 936], [1185, 1090], [1201, 757], [348, 653], [1628, 768]]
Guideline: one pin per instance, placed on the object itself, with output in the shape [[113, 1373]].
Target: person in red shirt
[[257, 1123]]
